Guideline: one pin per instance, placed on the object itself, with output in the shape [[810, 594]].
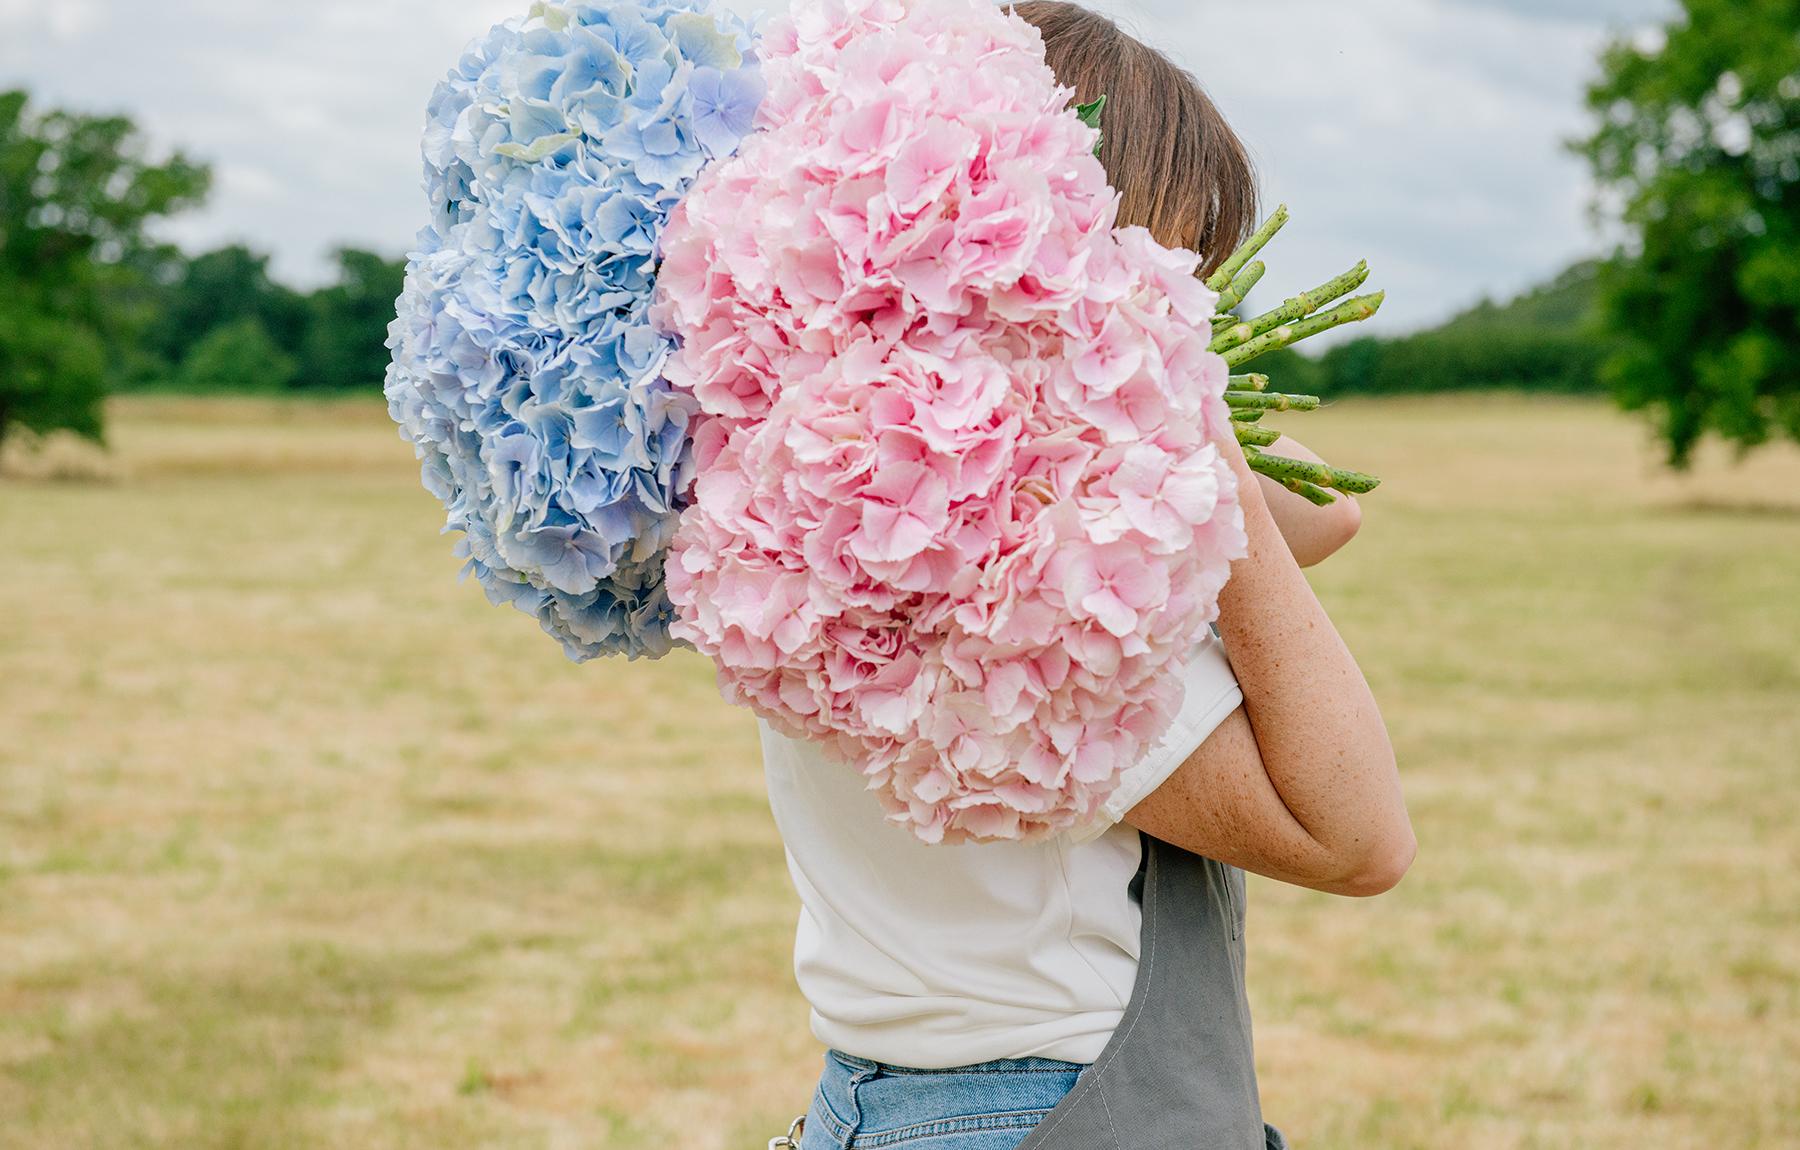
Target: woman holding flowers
[[966, 990], [837, 355]]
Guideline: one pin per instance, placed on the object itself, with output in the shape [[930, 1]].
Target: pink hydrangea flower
[[959, 513]]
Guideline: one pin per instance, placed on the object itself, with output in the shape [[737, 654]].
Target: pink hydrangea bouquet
[[960, 508]]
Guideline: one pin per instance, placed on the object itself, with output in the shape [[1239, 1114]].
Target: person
[[965, 991]]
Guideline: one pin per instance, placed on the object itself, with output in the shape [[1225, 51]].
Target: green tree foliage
[[1697, 146], [237, 356], [336, 336], [345, 347], [1503, 359], [1542, 341], [52, 373], [224, 287], [76, 193]]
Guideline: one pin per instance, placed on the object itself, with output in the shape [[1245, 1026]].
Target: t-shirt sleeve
[[1212, 695]]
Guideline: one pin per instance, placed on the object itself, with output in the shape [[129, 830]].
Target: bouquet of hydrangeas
[[914, 442]]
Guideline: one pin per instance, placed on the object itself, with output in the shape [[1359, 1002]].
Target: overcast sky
[[1423, 134]]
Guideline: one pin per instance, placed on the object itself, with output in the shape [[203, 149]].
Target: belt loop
[[863, 1071], [852, 1062]]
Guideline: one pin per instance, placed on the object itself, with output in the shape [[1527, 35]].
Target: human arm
[[1300, 783]]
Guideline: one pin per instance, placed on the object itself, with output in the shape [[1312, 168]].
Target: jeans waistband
[[999, 1066], [866, 1103]]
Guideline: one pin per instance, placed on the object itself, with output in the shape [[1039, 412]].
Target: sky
[[1425, 135]]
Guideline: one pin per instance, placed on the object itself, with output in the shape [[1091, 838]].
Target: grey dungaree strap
[[1178, 1073]]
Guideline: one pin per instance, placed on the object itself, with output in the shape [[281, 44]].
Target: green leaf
[[1090, 115]]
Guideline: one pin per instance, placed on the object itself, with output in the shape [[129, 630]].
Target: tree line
[[91, 303], [1551, 339], [218, 322]]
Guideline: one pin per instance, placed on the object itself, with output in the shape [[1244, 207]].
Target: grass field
[[304, 845]]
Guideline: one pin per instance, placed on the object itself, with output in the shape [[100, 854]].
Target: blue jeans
[[861, 1104]]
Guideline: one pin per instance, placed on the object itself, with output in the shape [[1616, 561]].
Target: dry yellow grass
[[302, 844]]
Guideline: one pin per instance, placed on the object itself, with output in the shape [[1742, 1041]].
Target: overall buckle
[[790, 1140]]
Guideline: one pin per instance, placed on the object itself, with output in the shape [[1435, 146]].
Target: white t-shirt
[[940, 956]]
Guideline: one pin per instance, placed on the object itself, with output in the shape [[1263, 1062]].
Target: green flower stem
[[1228, 271], [1282, 469], [1256, 436], [1235, 292], [1350, 311], [1295, 309], [1271, 401], [1315, 495], [1239, 341]]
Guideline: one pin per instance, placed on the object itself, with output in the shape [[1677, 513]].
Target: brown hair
[[1179, 168]]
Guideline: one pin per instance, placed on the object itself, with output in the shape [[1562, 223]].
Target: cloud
[[322, 101], [1424, 134], [65, 20], [1617, 12]]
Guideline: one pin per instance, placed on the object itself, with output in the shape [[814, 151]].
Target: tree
[[237, 356], [76, 193], [52, 374], [1697, 148], [346, 335], [221, 287]]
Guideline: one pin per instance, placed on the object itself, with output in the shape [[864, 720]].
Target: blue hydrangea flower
[[527, 374]]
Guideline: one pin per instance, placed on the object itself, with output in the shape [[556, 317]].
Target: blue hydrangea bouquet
[[527, 373]]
